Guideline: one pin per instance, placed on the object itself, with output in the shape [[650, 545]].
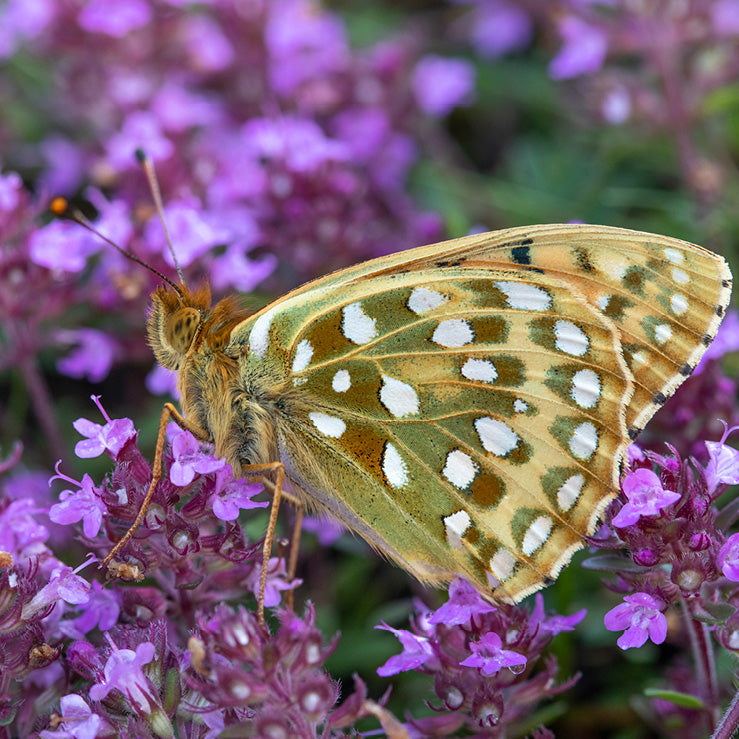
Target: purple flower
[[441, 84], [188, 228], [84, 504], [118, 19], [189, 458], [64, 584], [642, 618], [161, 381], [208, 46], [78, 720], [646, 497], [101, 610], [11, 187], [109, 438], [488, 654], [327, 530], [553, 624], [140, 130], [417, 651], [230, 496], [727, 338], [91, 358], [20, 534], [583, 49], [725, 17], [61, 246], [723, 461], [464, 603], [728, 558], [497, 27], [276, 582], [235, 270], [123, 672]]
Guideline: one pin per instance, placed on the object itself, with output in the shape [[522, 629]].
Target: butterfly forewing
[[465, 406]]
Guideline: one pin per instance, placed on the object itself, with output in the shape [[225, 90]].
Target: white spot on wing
[[481, 370], [496, 437], [460, 469], [398, 397], [453, 333], [536, 535], [303, 355], [424, 299], [330, 426], [584, 441], [342, 381], [640, 357], [570, 491], [356, 325], [603, 302], [520, 406], [456, 525], [523, 296], [570, 339], [662, 333], [501, 566], [585, 388], [259, 336], [679, 304], [673, 255], [680, 276], [394, 467]]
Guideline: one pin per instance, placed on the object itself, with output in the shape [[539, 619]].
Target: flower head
[[488, 654], [641, 617], [646, 497]]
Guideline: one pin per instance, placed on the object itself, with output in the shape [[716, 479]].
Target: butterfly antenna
[[60, 208], [156, 193]]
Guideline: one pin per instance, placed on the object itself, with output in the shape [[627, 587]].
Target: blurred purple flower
[[78, 720], [21, 20], [726, 341], [584, 48], [723, 461], [65, 165], [497, 27], [464, 603], [116, 19], [441, 84], [642, 619], [725, 17], [728, 558], [235, 270], [178, 108], [326, 529], [303, 45], [11, 187], [646, 497], [84, 504], [101, 610], [61, 246], [92, 357], [162, 381], [109, 438], [417, 651], [189, 458], [230, 495], [140, 130], [488, 654], [208, 46], [123, 671], [20, 534]]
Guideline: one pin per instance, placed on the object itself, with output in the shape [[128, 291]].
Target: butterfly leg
[[169, 412]]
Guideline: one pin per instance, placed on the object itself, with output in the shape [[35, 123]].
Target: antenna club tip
[[140, 155], [59, 206]]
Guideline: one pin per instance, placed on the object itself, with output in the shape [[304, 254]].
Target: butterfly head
[[182, 321]]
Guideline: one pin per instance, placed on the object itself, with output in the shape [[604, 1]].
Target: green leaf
[[684, 700]]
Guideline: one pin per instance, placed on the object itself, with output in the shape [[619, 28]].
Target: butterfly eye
[[181, 327]]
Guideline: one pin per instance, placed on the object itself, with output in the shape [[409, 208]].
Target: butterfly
[[464, 407]]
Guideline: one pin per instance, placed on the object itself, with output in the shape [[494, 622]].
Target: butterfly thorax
[[191, 337]]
